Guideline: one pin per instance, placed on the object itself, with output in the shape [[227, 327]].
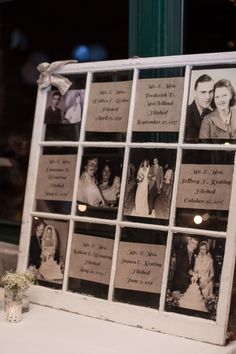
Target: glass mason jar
[[13, 304], [25, 301]]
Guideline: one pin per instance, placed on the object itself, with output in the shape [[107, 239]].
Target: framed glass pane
[[54, 185], [140, 265], [63, 113], [149, 185], [204, 189], [47, 251], [194, 275], [108, 111], [99, 183], [90, 259], [210, 116], [158, 105]]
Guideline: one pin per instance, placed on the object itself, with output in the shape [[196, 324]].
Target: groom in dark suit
[[201, 105], [53, 112], [155, 184], [36, 244], [185, 259]]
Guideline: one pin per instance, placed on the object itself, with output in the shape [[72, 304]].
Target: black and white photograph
[[47, 251], [100, 179], [211, 112], [194, 275], [149, 183], [65, 109]]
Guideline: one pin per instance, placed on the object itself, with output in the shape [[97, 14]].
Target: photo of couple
[[47, 250], [65, 109], [100, 180], [149, 183], [194, 274], [211, 112]]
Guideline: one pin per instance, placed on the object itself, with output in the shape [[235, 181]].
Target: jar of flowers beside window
[[15, 285]]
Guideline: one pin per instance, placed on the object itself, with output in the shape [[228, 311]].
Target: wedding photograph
[[149, 183], [100, 181], [65, 109], [47, 251], [211, 111], [194, 275]]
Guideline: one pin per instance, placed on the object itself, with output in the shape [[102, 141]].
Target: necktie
[[190, 256], [205, 112]]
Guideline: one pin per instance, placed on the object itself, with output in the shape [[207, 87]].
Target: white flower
[[140, 177], [17, 281]]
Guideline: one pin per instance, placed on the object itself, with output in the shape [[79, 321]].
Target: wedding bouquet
[[140, 177], [211, 305]]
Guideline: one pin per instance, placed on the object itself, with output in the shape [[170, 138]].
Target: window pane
[[140, 265], [204, 189], [90, 259]]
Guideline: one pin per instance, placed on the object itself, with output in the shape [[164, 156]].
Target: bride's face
[[203, 250], [222, 98], [49, 233]]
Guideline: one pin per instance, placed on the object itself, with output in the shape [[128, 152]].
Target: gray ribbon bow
[[48, 77]]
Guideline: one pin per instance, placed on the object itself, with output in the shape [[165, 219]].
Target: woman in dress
[[50, 244], [112, 194], [141, 196], [204, 269], [73, 114], [105, 178], [110, 189], [88, 190], [51, 267], [221, 123]]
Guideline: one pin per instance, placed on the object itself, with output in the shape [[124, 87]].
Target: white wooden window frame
[[157, 320]]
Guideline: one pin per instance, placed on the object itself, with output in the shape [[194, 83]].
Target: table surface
[[45, 330]]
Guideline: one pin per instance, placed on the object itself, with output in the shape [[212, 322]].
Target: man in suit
[[53, 112], [155, 184], [201, 105], [36, 244], [185, 259]]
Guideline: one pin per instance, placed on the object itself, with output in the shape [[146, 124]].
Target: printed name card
[[108, 108], [140, 267], [91, 258], [56, 177], [204, 186], [158, 104]]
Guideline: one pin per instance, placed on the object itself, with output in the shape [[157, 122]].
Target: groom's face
[[192, 244], [56, 100], [155, 161], [204, 94], [40, 230]]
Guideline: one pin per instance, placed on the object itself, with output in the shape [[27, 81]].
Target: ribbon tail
[[62, 83], [43, 82]]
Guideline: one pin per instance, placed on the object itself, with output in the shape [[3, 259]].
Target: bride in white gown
[[141, 196], [50, 268], [205, 269]]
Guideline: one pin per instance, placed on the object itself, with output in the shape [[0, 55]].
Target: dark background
[[35, 31], [209, 26]]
